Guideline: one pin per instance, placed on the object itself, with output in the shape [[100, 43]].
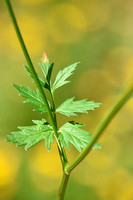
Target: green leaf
[[31, 135], [32, 97], [63, 75], [70, 133], [70, 107], [46, 69], [42, 82]]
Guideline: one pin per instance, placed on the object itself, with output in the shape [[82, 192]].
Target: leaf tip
[[14, 85]]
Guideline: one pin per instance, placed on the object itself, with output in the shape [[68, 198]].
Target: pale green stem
[[63, 186], [121, 100], [55, 119], [27, 57]]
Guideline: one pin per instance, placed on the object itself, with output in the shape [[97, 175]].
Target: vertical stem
[[63, 186], [55, 119], [53, 102], [27, 57]]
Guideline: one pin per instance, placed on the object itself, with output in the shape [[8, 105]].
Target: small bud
[[45, 58]]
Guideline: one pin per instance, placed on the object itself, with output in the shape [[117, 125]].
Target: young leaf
[[70, 107], [42, 82], [63, 75], [32, 97], [46, 69], [70, 132], [31, 135]]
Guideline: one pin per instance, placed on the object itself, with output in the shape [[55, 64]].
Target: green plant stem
[[63, 186], [27, 57], [55, 119], [65, 176], [122, 99], [53, 103]]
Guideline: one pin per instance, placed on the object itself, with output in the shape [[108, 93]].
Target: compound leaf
[[63, 75], [31, 135], [32, 97], [71, 107], [70, 133]]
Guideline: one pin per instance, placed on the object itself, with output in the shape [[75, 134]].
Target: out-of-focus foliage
[[99, 34]]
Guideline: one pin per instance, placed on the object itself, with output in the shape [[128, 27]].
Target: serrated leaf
[[32, 97], [70, 133], [39, 122], [63, 75], [31, 135], [46, 69], [42, 82], [71, 107]]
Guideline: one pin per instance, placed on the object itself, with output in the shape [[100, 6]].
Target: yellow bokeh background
[[99, 34]]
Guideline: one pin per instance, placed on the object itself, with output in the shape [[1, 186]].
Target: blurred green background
[[98, 33]]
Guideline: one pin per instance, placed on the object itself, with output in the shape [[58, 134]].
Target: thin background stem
[[120, 101], [27, 57]]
